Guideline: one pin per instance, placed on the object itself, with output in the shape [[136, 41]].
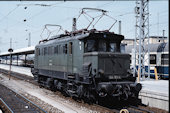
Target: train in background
[[159, 59], [28, 62]]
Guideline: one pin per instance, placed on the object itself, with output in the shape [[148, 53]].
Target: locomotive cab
[[102, 53], [103, 60]]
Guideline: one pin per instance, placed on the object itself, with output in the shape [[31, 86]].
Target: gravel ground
[[52, 102], [44, 105]]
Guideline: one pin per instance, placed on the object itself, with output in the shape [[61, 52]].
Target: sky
[[19, 18]]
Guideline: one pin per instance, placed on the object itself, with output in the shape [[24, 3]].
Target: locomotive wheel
[[50, 83]]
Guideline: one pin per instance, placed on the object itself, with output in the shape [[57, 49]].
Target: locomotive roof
[[80, 36]]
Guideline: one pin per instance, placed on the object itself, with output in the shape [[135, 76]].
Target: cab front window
[[90, 46], [100, 46], [112, 47]]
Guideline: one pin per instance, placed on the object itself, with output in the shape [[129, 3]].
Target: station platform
[[18, 69], [157, 86], [154, 93]]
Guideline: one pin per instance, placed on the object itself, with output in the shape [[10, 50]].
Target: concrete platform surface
[[157, 86], [19, 69], [155, 93]]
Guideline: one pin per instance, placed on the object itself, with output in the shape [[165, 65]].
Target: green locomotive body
[[86, 64]]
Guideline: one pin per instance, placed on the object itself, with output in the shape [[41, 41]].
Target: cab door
[[70, 58]]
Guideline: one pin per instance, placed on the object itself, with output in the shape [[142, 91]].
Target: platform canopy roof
[[28, 50]]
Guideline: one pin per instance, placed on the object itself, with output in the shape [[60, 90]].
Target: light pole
[[29, 38], [10, 50], [163, 35]]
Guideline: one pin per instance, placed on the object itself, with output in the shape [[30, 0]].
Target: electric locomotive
[[86, 64]]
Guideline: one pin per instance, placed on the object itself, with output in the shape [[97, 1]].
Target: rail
[[29, 101], [16, 102], [7, 108]]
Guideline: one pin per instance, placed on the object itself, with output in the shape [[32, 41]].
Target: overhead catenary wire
[[42, 11], [123, 14], [47, 9], [51, 7], [157, 23], [30, 17], [105, 4], [29, 5], [8, 13], [41, 29], [16, 23]]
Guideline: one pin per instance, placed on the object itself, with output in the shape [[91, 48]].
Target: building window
[[165, 59], [152, 59]]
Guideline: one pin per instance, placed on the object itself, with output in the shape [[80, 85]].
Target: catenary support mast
[[142, 53]]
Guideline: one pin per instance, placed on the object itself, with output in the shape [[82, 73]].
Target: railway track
[[12, 102], [19, 76], [135, 109], [4, 107], [128, 109]]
